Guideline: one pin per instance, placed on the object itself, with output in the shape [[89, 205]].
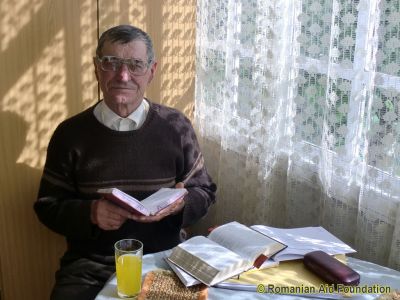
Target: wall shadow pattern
[[44, 79], [46, 50]]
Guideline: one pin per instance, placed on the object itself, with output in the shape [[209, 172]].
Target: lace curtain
[[297, 109]]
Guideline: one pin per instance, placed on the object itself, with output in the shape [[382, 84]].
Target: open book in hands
[[147, 207], [229, 250]]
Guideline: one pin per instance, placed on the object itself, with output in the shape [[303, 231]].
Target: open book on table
[[188, 280], [299, 241], [229, 250], [149, 206]]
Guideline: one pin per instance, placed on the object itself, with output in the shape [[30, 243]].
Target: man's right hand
[[108, 216]]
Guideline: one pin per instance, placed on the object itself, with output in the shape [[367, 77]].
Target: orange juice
[[129, 275]]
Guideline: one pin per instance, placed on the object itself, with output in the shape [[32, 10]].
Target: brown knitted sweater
[[83, 155]]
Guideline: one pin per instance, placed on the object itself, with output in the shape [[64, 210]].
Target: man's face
[[122, 91]]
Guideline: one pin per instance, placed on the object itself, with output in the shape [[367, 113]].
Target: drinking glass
[[128, 261]]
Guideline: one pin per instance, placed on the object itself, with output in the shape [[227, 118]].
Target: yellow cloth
[[286, 274]]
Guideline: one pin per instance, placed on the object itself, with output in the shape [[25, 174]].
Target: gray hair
[[125, 34]]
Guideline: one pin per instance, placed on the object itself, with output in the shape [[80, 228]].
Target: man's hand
[[107, 215], [172, 209]]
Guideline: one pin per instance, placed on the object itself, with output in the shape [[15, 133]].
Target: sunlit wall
[[46, 50]]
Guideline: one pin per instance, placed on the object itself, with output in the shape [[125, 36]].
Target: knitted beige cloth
[[163, 284]]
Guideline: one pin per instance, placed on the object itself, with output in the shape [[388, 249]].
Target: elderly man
[[123, 141]]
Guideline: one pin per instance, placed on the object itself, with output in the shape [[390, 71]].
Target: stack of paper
[[301, 241]]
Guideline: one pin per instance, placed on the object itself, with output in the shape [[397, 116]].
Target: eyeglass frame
[[126, 61]]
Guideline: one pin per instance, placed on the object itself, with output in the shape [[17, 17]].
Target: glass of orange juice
[[128, 261]]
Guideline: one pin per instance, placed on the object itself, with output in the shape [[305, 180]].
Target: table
[[370, 273]]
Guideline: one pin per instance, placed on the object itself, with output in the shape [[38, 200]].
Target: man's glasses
[[113, 63]]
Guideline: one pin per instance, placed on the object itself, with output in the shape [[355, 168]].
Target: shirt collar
[[110, 119]]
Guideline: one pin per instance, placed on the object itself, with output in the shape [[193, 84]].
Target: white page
[[213, 254], [125, 198], [162, 198], [243, 240], [300, 241]]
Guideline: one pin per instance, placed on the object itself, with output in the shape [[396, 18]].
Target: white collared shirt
[[110, 119]]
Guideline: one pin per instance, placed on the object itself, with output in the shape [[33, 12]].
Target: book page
[[124, 200], [300, 241], [244, 241], [162, 198]]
